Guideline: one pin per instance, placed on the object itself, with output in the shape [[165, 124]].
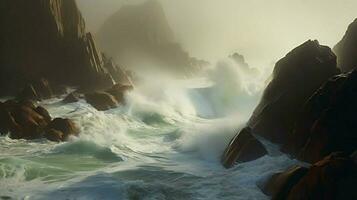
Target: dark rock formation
[[334, 177], [37, 90], [327, 123], [346, 49], [47, 39], [60, 129], [244, 147], [23, 120], [140, 37], [71, 98], [295, 78], [101, 100], [280, 184], [118, 91]]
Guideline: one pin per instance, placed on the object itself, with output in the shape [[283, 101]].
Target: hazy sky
[[262, 30]]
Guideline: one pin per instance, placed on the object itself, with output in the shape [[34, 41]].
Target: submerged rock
[[334, 177], [346, 49], [295, 78], [244, 147], [101, 100]]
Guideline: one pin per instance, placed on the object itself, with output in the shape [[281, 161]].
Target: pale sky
[[262, 30]]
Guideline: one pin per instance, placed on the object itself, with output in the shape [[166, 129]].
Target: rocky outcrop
[[47, 39], [346, 49], [60, 129], [71, 98], [140, 37], [334, 177], [101, 101], [244, 147], [24, 120], [327, 123], [295, 78]]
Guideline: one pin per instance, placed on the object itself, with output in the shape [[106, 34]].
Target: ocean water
[[165, 143]]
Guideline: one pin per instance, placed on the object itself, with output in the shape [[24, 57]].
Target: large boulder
[[328, 122], [244, 147], [61, 129], [295, 78], [333, 178], [101, 100], [37, 90], [47, 39], [22, 120], [346, 49]]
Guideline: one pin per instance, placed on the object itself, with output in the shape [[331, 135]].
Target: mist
[[263, 31]]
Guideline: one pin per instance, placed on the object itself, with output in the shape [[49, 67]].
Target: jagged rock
[[279, 185], [47, 39], [327, 123], [334, 177], [59, 125], [244, 147], [21, 121], [44, 113], [101, 101], [295, 78], [71, 98], [118, 91], [346, 49], [147, 43]]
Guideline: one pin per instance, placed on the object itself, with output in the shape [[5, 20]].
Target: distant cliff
[[47, 39], [138, 34], [346, 49]]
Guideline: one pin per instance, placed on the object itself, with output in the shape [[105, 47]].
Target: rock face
[[47, 39], [328, 123], [140, 37], [334, 177], [346, 49], [295, 78], [244, 147]]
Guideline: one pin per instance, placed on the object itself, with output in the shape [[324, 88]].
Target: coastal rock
[[327, 123], [295, 78], [101, 101], [21, 121], [44, 113], [346, 49], [244, 147], [59, 125], [118, 91], [71, 98], [47, 40], [279, 185], [334, 177]]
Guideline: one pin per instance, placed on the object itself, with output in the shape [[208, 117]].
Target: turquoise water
[[164, 144]]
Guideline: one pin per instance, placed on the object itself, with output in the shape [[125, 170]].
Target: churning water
[[164, 144]]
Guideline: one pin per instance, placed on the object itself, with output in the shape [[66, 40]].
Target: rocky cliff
[[141, 37], [47, 39], [346, 49]]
